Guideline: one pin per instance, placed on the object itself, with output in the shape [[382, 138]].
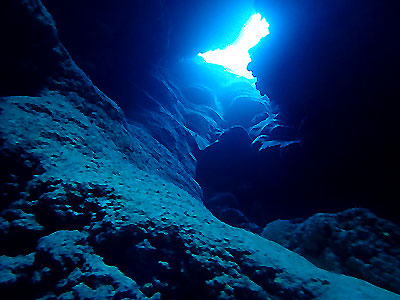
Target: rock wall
[[334, 72], [354, 242], [93, 207]]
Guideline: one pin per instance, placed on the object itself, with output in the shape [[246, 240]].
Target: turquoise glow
[[236, 57]]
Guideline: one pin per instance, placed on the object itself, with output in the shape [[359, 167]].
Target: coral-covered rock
[[354, 242]]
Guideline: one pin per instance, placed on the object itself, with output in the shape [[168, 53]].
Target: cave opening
[[313, 153], [235, 57], [240, 170]]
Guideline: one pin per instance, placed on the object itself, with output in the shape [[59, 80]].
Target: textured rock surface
[[354, 242], [95, 208]]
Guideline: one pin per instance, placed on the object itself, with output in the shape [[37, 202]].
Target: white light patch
[[236, 57]]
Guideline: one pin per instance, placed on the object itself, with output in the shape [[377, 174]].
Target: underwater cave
[[199, 150]]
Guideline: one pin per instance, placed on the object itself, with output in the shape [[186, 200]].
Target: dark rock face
[[95, 208], [354, 242], [22, 54], [333, 71]]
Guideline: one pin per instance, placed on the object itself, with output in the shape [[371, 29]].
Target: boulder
[[354, 242]]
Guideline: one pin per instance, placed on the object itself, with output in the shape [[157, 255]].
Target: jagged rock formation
[[354, 242], [95, 208]]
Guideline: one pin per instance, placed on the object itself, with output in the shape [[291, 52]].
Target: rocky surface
[[354, 242], [95, 208]]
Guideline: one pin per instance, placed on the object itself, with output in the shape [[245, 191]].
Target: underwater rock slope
[[91, 209], [354, 242]]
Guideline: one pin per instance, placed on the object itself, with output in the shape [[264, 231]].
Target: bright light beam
[[235, 57]]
